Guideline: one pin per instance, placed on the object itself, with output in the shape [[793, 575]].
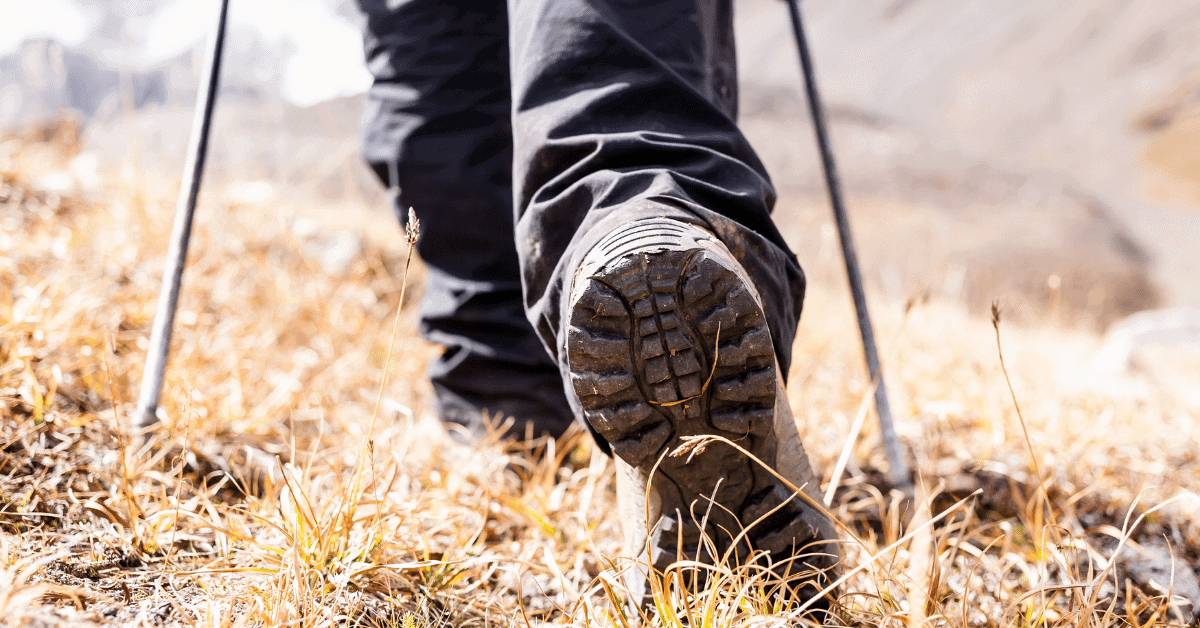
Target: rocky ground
[[282, 489], [1039, 156]]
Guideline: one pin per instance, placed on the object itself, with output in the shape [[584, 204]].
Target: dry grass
[[1174, 173], [396, 525]]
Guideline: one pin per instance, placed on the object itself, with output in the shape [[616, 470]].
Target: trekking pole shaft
[[898, 465], [181, 231]]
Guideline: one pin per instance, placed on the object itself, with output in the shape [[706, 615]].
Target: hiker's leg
[[622, 108], [438, 126], [654, 273]]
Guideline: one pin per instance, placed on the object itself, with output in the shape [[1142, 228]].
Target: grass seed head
[[396, 524], [412, 229]]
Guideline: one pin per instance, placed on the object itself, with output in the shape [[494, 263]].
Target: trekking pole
[[898, 470], [181, 231]]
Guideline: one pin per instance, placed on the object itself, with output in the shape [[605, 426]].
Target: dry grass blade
[[374, 517], [851, 438], [1033, 461]]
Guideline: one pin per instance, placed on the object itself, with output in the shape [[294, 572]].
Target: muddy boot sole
[[668, 339]]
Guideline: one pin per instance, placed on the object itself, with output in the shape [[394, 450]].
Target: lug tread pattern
[[665, 344]]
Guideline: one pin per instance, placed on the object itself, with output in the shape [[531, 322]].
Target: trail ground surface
[[284, 489]]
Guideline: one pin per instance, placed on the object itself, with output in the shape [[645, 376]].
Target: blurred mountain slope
[[1043, 153], [1055, 85], [1025, 119]]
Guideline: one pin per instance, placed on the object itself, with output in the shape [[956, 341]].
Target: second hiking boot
[[667, 339]]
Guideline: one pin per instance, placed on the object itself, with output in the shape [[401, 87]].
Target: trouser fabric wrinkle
[[569, 117], [437, 126]]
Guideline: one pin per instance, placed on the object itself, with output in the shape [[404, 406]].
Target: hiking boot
[[667, 339]]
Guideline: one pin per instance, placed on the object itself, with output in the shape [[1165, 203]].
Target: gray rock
[[339, 250], [334, 250], [1175, 327], [1161, 569]]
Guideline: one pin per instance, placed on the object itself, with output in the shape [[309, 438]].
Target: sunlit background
[[1041, 154], [1045, 153]]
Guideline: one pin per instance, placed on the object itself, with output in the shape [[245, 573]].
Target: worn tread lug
[[591, 383], [680, 311]]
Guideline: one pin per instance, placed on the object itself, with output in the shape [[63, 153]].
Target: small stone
[[1163, 570]]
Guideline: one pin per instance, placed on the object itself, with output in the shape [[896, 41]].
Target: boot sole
[[668, 340]]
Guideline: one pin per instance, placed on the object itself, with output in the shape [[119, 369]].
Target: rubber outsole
[[667, 340]]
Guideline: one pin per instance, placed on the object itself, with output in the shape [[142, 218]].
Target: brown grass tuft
[[271, 496]]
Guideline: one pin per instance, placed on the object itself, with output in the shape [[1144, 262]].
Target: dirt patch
[[380, 519], [1173, 155]]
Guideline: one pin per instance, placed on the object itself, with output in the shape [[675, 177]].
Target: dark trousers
[[522, 134]]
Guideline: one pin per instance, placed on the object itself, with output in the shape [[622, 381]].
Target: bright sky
[[59, 19], [328, 61]]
